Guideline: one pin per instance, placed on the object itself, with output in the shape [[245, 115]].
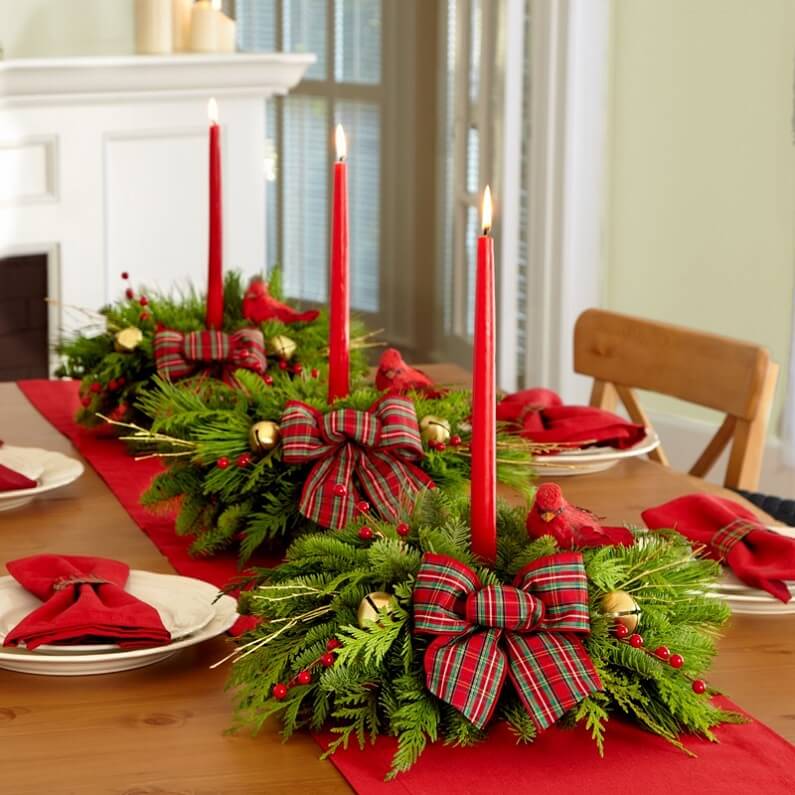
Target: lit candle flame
[[212, 111], [216, 4], [342, 145], [486, 211]]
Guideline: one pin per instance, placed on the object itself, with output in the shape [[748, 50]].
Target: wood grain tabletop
[[162, 729]]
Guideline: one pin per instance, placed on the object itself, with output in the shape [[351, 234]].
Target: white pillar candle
[[226, 33], [180, 24], [203, 27], [152, 26]]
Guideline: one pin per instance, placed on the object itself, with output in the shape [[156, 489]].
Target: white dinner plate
[[182, 603], [23, 661], [588, 460], [49, 469]]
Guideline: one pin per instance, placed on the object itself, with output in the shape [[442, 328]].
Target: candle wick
[[486, 231]]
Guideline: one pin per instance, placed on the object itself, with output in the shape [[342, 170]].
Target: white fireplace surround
[[103, 166]]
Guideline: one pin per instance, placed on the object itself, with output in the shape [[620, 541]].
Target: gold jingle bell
[[263, 436], [622, 607], [128, 339], [282, 346], [434, 429], [372, 604]]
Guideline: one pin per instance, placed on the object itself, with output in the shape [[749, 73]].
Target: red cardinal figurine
[[571, 527], [396, 376], [259, 305]]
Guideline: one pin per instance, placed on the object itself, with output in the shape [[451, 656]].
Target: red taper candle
[[483, 514], [339, 280], [215, 261]]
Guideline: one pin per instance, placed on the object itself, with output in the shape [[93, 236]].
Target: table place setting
[[572, 440], [26, 472], [759, 560], [72, 615]]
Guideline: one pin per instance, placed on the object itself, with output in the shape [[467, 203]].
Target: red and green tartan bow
[[179, 355], [371, 451], [527, 631]]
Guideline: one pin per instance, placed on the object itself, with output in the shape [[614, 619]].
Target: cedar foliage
[[377, 683]]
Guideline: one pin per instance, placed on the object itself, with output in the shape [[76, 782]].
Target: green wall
[[702, 169]]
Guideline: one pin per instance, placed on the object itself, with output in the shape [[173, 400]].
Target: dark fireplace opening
[[24, 336]]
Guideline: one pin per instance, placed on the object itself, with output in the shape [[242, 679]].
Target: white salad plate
[[67, 663], [49, 469], [589, 460], [181, 602]]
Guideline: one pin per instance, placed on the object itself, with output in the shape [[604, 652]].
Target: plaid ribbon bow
[[528, 631], [179, 355], [371, 451]]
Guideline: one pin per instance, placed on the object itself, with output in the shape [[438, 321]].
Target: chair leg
[[637, 414], [745, 460], [604, 396], [715, 447]]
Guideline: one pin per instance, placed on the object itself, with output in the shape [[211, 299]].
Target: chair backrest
[[622, 352]]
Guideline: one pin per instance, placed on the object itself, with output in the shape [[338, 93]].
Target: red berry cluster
[[296, 368], [440, 447], [662, 653], [304, 677], [368, 534]]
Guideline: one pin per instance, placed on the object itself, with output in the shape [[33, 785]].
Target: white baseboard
[[684, 439]]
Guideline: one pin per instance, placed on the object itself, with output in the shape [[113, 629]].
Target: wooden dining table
[[163, 729]]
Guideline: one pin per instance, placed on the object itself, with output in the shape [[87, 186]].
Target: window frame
[[567, 43], [332, 92]]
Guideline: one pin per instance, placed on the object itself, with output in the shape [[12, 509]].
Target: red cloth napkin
[[84, 602], [540, 416], [731, 533], [11, 480]]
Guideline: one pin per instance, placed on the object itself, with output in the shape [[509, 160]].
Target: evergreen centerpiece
[[257, 461], [396, 628], [116, 366]]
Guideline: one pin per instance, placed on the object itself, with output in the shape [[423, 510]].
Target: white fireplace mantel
[[103, 167], [130, 77]]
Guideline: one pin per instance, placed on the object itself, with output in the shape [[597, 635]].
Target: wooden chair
[[622, 353]]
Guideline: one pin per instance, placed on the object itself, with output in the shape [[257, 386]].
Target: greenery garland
[[313, 663], [197, 424], [113, 377]]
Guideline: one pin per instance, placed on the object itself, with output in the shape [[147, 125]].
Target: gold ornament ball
[[128, 339], [372, 604], [263, 436], [622, 607], [282, 346], [434, 429]]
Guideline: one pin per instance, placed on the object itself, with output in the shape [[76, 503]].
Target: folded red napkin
[[84, 602], [11, 480], [731, 533], [540, 416]]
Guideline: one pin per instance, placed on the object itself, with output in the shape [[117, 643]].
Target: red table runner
[[749, 757]]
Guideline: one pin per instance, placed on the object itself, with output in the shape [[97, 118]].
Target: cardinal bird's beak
[[548, 516]]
